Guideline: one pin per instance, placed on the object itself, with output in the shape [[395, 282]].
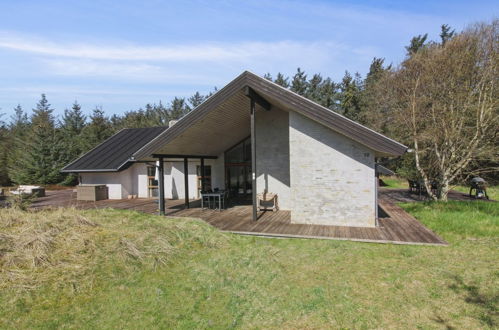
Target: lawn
[[401, 183], [122, 269]]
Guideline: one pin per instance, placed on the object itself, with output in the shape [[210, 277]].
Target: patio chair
[[205, 200], [267, 201]]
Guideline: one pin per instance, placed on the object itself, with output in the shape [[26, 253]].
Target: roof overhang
[[224, 118]]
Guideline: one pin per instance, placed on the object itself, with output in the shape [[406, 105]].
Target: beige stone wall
[[332, 177]]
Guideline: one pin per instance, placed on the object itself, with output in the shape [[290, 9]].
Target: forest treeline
[[441, 101]]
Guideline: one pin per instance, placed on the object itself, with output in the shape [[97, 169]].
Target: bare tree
[[444, 101]]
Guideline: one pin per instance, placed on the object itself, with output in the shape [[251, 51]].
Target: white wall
[[133, 181], [272, 155], [332, 177]]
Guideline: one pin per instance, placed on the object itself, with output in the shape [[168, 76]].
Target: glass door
[[238, 169]]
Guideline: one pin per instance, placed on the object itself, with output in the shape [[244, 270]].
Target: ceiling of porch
[[221, 128]]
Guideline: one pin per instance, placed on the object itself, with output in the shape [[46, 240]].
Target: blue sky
[[123, 54]]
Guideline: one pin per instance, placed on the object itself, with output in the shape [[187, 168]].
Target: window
[[206, 179], [152, 183]]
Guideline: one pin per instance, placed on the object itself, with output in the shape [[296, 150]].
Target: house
[[251, 136]]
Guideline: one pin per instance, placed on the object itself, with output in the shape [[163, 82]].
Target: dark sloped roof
[[114, 154], [272, 92], [383, 170]]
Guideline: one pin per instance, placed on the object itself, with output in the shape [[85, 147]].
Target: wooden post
[[161, 186], [186, 182], [253, 157], [202, 174]]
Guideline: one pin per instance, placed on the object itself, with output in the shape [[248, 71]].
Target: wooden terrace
[[395, 225]]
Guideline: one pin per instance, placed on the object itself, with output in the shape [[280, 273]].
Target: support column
[[202, 174], [186, 182], [161, 186], [253, 157]]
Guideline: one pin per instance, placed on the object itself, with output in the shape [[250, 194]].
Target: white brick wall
[[272, 154], [332, 177]]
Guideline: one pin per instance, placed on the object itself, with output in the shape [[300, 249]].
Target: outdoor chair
[[206, 200], [267, 201]]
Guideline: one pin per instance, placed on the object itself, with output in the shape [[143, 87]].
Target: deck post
[[161, 186], [253, 157], [186, 182], [202, 174]]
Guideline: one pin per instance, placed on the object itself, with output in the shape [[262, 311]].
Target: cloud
[[174, 53], [202, 64]]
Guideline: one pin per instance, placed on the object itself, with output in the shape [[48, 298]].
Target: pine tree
[[446, 33], [329, 94], [72, 124], [267, 76], [416, 44], [98, 129], [196, 100], [42, 156], [314, 90], [178, 108], [350, 102], [281, 80], [4, 152], [299, 84]]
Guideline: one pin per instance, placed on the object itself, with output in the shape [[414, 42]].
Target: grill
[[478, 188]]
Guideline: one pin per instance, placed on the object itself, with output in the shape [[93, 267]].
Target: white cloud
[[176, 53]]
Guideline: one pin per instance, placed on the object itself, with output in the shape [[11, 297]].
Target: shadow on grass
[[487, 302]]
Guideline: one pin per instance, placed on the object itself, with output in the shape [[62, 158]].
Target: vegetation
[[116, 269], [455, 106], [401, 183], [443, 102]]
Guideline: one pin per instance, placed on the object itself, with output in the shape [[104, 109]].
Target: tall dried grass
[[65, 247]]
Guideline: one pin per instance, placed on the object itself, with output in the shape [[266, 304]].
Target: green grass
[[492, 191], [394, 182], [122, 269], [401, 183]]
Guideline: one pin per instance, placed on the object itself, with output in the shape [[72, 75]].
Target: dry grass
[[63, 246]]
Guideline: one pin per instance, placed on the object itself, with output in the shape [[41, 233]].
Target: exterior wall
[[332, 177], [133, 181], [272, 155]]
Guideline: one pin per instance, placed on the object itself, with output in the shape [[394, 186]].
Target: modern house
[[251, 136]]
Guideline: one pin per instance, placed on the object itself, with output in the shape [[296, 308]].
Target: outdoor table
[[218, 194]]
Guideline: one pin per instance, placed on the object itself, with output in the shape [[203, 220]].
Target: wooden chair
[[267, 201]]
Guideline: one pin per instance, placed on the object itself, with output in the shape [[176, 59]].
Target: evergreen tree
[[416, 44], [329, 94], [299, 84], [314, 89], [446, 33], [19, 121], [372, 114], [350, 99], [267, 76], [281, 80], [196, 100], [72, 124], [178, 108], [4, 152], [98, 129], [42, 156]]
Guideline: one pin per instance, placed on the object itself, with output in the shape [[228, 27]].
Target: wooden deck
[[395, 225]]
